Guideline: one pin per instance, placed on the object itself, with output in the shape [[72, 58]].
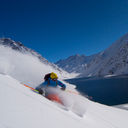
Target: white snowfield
[[22, 108]]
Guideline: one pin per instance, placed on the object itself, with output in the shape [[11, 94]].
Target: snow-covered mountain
[[25, 64], [112, 61], [22, 108], [76, 63], [18, 46]]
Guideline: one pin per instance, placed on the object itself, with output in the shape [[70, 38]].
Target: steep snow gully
[[22, 108]]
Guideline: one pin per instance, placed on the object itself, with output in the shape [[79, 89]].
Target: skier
[[51, 80]]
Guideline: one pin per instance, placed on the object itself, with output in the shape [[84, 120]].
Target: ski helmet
[[53, 75]]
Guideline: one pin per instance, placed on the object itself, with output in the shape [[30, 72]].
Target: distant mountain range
[[77, 63], [112, 61]]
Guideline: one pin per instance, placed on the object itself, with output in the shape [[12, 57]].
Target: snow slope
[[112, 61], [22, 108], [122, 106]]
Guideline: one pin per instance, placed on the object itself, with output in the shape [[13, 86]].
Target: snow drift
[[22, 108]]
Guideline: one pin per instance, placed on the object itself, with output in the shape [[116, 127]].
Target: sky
[[58, 29]]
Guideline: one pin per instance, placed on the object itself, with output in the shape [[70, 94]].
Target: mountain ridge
[[111, 61]]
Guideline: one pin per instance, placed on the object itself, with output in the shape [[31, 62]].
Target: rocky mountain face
[[112, 61], [18, 46], [77, 63]]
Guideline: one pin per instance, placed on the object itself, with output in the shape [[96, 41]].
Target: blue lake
[[109, 91]]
